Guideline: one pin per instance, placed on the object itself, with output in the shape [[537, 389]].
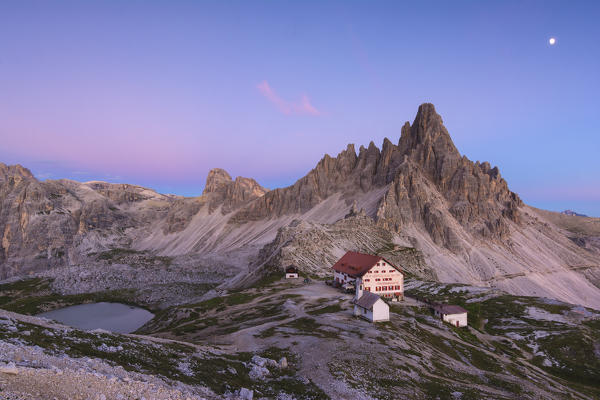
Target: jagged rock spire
[[222, 190], [428, 143], [217, 180]]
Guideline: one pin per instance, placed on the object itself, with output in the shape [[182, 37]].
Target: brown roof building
[[357, 264], [369, 273]]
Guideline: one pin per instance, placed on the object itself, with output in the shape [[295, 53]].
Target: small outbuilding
[[371, 307], [454, 315], [291, 272]]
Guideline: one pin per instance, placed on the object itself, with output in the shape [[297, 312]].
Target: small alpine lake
[[114, 317]]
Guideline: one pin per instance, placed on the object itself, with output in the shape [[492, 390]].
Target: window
[[367, 289], [377, 279], [391, 271], [367, 280]]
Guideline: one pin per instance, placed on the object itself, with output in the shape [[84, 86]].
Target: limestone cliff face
[[221, 190], [428, 183], [54, 223], [25, 207], [433, 184]]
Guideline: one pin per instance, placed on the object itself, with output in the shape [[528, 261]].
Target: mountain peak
[[427, 130], [229, 193], [13, 170], [573, 213], [428, 143], [217, 180]]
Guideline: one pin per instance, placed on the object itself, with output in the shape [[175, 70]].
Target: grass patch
[[308, 326], [503, 384], [269, 279], [334, 308], [576, 357]]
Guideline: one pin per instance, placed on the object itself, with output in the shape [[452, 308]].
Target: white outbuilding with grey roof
[[371, 307], [455, 315]]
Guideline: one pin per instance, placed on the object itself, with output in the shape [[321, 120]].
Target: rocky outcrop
[[314, 247], [572, 213], [120, 193], [180, 214], [221, 190], [54, 223]]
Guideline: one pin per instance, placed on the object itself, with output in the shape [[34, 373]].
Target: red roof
[[449, 309], [356, 264], [291, 270]]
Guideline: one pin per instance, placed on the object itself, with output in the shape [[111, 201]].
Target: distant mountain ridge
[[573, 213], [459, 216]]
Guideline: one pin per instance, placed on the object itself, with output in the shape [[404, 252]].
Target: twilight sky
[[156, 93]]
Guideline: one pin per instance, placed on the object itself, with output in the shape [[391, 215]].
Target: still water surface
[[115, 317]]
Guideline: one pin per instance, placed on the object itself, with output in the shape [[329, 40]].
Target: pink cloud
[[286, 107]]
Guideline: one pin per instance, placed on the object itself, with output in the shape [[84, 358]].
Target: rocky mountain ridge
[[425, 159], [420, 193], [572, 213]]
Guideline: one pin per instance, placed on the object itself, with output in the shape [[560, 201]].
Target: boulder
[[9, 369]]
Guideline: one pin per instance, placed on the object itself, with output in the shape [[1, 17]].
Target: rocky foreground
[[289, 340]]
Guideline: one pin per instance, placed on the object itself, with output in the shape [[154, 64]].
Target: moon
[[552, 41]]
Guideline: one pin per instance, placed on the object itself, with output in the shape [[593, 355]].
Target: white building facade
[[454, 315], [291, 272], [372, 308], [370, 274]]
